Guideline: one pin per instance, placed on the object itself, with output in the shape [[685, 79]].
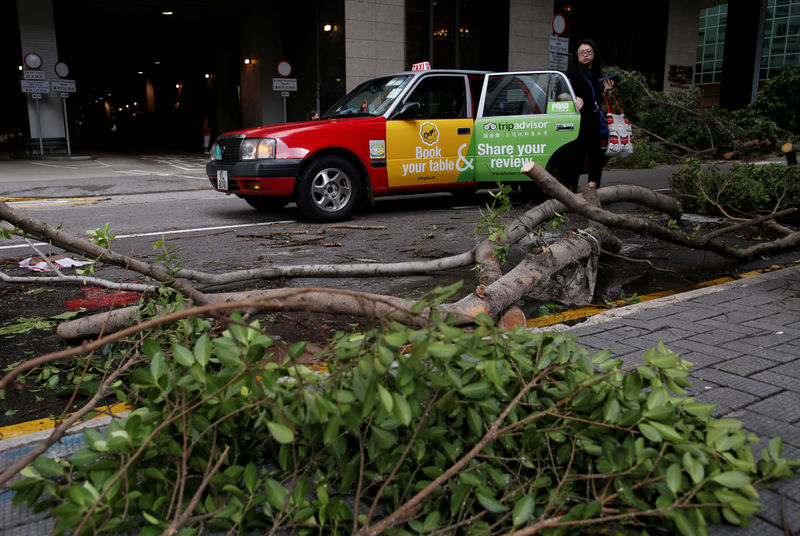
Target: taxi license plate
[[222, 179]]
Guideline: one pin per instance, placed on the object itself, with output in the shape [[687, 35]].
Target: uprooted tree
[[418, 425]]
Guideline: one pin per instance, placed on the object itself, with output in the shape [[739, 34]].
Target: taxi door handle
[[562, 126], [463, 131]]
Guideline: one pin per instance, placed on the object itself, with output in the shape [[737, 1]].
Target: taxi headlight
[[258, 148], [215, 152]]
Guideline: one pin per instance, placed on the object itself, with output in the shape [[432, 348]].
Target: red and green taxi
[[409, 132]]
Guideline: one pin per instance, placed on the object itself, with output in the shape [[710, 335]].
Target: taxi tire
[[266, 202], [346, 189]]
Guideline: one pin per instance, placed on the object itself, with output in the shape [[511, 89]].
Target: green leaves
[[360, 424], [402, 409], [386, 398], [523, 510], [490, 503], [476, 390], [281, 432], [732, 479], [661, 357]]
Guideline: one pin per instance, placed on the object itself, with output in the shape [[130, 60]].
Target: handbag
[[620, 132]]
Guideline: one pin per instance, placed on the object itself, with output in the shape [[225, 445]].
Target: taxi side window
[[516, 95], [442, 97], [559, 89]]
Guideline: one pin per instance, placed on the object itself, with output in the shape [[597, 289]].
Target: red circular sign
[[62, 69], [559, 24], [32, 60], [284, 68]]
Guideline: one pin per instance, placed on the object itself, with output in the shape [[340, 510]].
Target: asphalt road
[[149, 196]]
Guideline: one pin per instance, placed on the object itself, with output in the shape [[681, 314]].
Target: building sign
[[680, 76]]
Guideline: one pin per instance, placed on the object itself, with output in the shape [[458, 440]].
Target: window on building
[[780, 45], [710, 44], [458, 34]]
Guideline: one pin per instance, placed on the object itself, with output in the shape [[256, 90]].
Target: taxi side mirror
[[409, 109]]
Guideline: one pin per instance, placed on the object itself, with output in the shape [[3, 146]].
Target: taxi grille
[[230, 149]]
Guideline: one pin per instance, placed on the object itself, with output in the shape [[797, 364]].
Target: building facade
[[778, 44], [145, 76]]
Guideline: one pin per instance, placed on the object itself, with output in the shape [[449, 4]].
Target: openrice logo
[[428, 133]]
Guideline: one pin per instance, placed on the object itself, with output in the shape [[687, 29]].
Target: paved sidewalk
[[744, 338]]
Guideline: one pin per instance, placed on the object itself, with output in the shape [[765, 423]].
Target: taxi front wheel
[[329, 189]]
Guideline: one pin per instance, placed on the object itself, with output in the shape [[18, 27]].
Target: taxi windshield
[[372, 98]]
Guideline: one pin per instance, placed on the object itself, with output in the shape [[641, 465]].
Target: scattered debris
[[99, 298], [23, 325], [38, 264]]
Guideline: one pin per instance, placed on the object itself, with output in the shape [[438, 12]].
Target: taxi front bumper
[[262, 177]]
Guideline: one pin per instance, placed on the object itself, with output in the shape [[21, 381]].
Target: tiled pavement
[[744, 340]]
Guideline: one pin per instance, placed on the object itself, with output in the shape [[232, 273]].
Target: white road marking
[[177, 231], [159, 173], [50, 202], [45, 164]]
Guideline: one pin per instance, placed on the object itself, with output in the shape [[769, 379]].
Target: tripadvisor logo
[[428, 133], [518, 125]]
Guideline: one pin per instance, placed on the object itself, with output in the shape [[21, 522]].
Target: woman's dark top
[[589, 123]]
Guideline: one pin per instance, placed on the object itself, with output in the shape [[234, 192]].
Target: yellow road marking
[[25, 428], [586, 312]]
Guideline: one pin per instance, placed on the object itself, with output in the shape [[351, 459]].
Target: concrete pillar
[[681, 51], [37, 34], [374, 39], [260, 40], [529, 31], [741, 60]]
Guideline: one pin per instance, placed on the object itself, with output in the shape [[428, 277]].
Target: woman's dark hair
[[597, 62]]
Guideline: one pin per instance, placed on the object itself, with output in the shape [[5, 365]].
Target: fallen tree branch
[[499, 296], [552, 187]]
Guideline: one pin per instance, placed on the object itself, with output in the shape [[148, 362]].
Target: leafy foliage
[[745, 189], [485, 430], [669, 126], [492, 222], [778, 100]]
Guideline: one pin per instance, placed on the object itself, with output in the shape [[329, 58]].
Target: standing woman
[[583, 74]]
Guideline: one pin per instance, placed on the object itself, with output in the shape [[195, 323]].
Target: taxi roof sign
[[422, 66]]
